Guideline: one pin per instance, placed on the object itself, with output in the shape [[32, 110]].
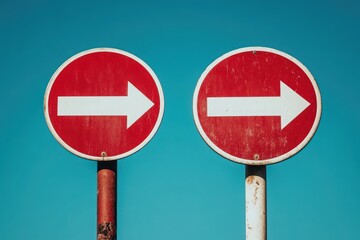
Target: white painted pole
[[255, 196]]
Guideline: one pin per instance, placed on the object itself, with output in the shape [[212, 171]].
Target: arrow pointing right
[[134, 105], [288, 106]]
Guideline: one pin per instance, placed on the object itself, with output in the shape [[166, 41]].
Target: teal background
[[176, 187]]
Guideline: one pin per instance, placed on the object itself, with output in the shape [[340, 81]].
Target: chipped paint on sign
[[256, 106]]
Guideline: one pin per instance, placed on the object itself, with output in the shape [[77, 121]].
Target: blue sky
[[176, 187]]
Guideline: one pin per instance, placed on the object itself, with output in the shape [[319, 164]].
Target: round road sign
[[103, 104], [256, 106]]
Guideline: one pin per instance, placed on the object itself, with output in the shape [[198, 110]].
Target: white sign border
[[248, 161], [106, 158]]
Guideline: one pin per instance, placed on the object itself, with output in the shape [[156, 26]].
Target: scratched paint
[[93, 104], [106, 200], [255, 204], [256, 101]]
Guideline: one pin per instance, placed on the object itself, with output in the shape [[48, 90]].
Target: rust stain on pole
[[106, 200], [255, 194]]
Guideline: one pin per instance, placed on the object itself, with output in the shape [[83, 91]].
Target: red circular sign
[[256, 106], [104, 104]]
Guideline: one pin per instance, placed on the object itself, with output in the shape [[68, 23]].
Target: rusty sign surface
[[256, 105], [103, 104]]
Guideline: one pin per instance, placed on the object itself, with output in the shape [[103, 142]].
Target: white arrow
[[133, 106], [288, 106]]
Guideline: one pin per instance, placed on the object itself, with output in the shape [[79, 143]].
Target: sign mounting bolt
[[103, 155]]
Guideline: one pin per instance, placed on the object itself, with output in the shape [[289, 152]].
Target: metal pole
[[106, 200], [255, 194]]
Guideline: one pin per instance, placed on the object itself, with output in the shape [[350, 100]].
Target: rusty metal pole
[[255, 196], [106, 200]]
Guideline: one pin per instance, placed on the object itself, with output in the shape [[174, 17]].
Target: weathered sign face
[[256, 106], [104, 104]]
